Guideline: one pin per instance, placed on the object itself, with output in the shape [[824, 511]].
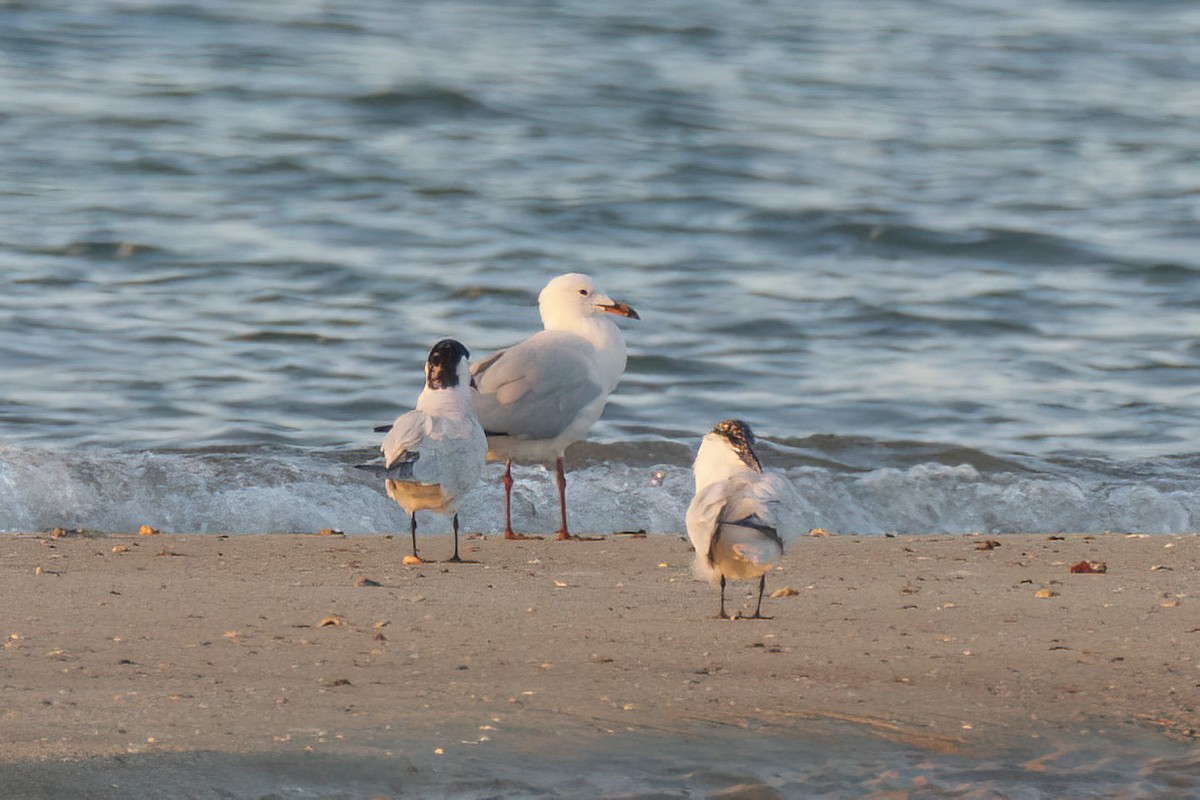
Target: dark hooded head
[[442, 366], [741, 439]]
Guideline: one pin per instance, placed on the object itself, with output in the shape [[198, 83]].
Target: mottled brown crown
[[741, 439]]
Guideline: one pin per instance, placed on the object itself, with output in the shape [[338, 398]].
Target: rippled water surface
[[930, 235]]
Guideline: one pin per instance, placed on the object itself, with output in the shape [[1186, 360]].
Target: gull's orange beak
[[620, 309]]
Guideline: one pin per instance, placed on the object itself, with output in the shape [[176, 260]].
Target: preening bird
[[544, 393], [435, 453], [738, 520]]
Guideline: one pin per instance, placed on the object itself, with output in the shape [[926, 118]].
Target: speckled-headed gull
[[435, 453], [741, 516], [544, 393]]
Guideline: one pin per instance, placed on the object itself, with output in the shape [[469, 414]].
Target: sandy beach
[[250, 644]]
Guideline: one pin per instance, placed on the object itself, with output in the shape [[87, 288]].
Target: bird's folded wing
[[779, 505], [704, 516], [402, 443], [536, 390]]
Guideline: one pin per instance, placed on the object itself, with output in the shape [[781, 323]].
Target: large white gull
[[741, 517], [435, 453], [539, 396]]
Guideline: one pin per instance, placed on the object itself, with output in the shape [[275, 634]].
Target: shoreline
[[276, 643]]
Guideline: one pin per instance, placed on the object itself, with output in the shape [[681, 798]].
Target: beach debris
[[362, 580], [58, 533], [786, 591], [1044, 593], [1090, 568], [147, 530], [1169, 604], [819, 532], [1160, 567], [232, 636], [560, 584], [1056, 538], [120, 548], [330, 532], [987, 544], [411, 561], [640, 533], [331, 620]]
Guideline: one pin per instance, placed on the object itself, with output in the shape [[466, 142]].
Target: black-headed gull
[[435, 453], [739, 520], [544, 393]]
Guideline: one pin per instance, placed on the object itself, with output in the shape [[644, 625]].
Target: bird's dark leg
[[722, 615], [455, 557], [762, 584], [563, 533], [508, 484], [413, 531]]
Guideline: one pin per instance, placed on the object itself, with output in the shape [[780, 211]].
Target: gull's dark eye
[[583, 292]]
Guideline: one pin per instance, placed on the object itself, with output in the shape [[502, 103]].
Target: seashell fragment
[[332, 619], [411, 561], [1090, 568], [786, 591], [120, 548], [1044, 593], [146, 530]]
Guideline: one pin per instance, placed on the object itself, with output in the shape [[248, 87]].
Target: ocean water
[[825, 761], [942, 255]]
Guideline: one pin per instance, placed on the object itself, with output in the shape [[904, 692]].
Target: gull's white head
[[572, 297], [448, 365], [726, 451]]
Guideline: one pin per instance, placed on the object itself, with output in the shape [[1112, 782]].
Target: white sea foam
[[294, 490]]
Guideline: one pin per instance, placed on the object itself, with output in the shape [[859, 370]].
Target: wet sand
[[277, 644]]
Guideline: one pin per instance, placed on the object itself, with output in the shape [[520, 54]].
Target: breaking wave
[[847, 485]]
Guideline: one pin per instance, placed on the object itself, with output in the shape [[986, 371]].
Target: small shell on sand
[[411, 561], [1044, 593], [146, 530], [786, 591], [331, 620], [120, 548]]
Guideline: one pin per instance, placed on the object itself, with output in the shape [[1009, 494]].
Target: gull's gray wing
[[538, 388]]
